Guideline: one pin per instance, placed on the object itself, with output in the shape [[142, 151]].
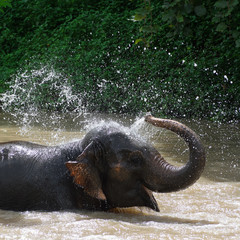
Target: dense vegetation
[[175, 58]]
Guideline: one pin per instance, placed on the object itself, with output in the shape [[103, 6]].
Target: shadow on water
[[139, 217], [143, 218], [28, 219], [175, 220]]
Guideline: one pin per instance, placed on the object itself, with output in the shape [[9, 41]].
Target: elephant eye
[[136, 158]]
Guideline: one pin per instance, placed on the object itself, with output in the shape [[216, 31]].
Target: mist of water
[[33, 94], [35, 97]]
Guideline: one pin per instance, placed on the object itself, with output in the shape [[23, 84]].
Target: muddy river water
[[210, 209]]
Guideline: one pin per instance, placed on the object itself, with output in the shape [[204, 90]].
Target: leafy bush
[[185, 63]]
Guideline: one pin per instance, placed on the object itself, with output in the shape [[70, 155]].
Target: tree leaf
[[138, 17], [221, 4], [235, 34], [200, 10], [216, 19], [138, 40], [168, 16], [180, 18], [233, 3], [221, 27], [237, 43]]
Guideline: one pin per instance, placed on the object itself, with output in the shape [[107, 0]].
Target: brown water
[[210, 209]]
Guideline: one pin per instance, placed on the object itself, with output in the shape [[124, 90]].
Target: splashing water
[[136, 129], [42, 99], [33, 93]]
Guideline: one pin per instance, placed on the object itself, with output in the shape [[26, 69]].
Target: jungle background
[[177, 58]]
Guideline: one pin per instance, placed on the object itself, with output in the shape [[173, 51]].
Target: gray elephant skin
[[107, 169]]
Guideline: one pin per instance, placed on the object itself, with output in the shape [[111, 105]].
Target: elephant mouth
[[150, 199]]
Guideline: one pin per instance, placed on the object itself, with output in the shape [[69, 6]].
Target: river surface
[[210, 209]]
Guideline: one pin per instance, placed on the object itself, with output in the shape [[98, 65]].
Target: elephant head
[[122, 171]]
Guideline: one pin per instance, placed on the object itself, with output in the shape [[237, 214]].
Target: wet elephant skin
[[106, 169]]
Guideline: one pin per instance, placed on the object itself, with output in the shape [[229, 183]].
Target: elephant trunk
[[166, 177]]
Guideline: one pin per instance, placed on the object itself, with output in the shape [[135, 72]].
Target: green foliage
[[4, 4], [219, 16], [177, 58], [144, 13]]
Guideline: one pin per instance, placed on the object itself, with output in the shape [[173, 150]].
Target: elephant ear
[[86, 174]]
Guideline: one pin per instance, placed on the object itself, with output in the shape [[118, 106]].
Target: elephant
[[107, 169]]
